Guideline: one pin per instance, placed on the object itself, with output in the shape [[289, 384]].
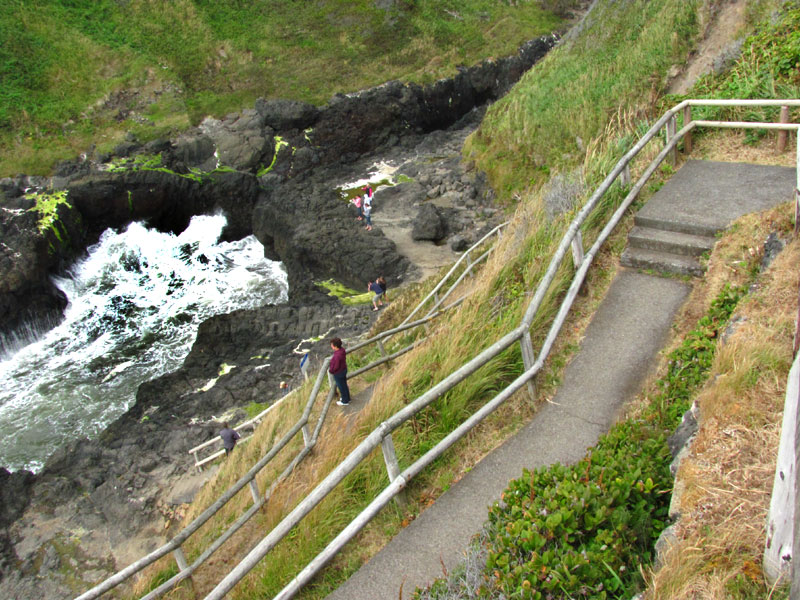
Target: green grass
[[621, 61], [72, 69], [623, 58], [769, 67]]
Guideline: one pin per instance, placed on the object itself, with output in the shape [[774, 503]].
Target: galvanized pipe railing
[[381, 434], [521, 333], [174, 545]]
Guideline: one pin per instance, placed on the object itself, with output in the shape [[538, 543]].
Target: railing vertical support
[[180, 558], [670, 133], [254, 491], [577, 250], [528, 360], [392, 466], [687, 139], [381, 348], [625, 177], [797, 187], [783, 134]]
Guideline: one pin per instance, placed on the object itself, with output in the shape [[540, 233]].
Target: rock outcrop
[[281, 166]]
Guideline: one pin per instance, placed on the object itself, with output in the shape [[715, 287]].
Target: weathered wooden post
[[625, 177], [687, 139], [392, 466], [577, 250], [778, 549], [670, 130], [783, 134], [254, 491], [528, 360]]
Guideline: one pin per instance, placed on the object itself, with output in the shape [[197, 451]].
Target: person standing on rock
[[368, 193], [368, 213], [382, 282], [338, 368], [357, 202], [378, 291], [229, 437]]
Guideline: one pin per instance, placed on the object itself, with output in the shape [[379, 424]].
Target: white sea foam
[[135, 303]]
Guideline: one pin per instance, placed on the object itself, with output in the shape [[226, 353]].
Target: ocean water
[[135, 303]]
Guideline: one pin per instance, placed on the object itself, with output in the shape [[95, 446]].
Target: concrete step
[[674, 242], [663, 262], [677, 224]]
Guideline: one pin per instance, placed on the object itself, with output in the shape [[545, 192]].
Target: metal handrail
[[465, 256], [174, 545], [382, 434]]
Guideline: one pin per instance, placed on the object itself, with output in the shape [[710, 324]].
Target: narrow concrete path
[[620, 347]]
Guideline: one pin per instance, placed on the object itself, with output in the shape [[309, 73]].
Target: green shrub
[[584, 530]]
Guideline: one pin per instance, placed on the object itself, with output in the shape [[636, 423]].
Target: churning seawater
[[135, 303]]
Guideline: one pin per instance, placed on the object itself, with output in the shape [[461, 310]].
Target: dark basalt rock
[[284, 115], [429, 224], [111, 484]]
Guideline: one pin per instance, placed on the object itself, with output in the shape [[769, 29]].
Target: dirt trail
[[721, 33]]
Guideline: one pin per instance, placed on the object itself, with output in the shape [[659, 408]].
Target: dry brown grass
[[732, 260], [726, 480], [730, 146]]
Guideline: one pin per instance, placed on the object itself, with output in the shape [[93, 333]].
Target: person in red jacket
[[338, 368]]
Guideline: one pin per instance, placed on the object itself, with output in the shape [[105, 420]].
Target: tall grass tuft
[[621, 58]]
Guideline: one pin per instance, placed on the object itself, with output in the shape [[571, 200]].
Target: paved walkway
[[619, 350]]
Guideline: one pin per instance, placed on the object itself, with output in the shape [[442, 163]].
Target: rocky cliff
[[274, 171]]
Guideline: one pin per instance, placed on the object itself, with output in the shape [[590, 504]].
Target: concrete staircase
[[681, 221], [655, 245]]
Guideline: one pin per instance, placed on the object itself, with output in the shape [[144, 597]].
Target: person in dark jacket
[[229, 437], [338, 368], [377, 293]]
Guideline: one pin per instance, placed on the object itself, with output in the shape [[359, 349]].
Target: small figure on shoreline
[[357, 202], [229, 437], [378, 292], [338, 368], [368, 213]]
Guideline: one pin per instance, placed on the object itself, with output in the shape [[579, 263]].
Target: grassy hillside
[[603, 89], [86, 71]]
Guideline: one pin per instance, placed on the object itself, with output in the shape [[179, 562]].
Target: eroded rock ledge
[[98, 504]]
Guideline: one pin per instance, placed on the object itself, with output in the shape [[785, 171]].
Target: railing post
[[625, 176], [796, 210], [670, 133], [783, 134], [180, 558], [687, 139], [381, 348], [254, 490], [392, 466], [469, 259], [577, 250], [528, 360]]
